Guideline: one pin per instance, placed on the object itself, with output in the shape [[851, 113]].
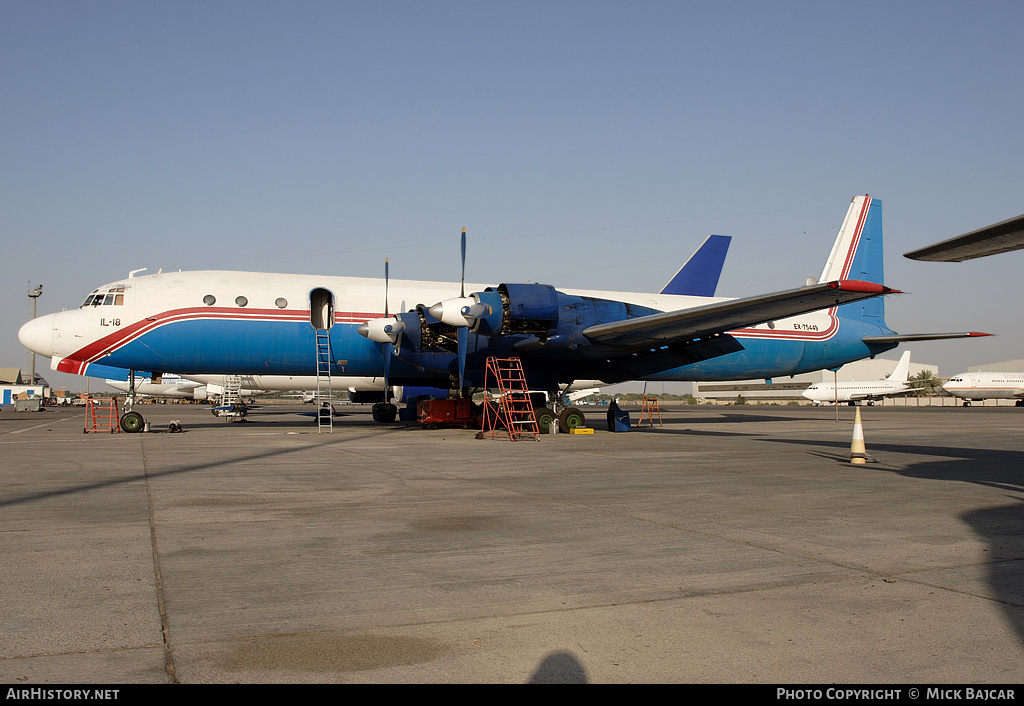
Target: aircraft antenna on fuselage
[[131, 274]]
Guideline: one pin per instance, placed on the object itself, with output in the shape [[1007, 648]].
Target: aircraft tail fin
[[699, 275], [902, 371], [857, 254]]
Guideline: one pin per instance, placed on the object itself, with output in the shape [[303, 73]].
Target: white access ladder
[[324, 399], [231, 405]]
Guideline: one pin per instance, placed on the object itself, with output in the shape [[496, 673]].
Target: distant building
[[1009, 366], [10, 376], [12, 384]]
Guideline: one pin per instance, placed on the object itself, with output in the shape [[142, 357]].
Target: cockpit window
[[108, 296]]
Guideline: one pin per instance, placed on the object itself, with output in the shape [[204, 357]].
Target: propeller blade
[[463, 346], [462, 290], [386, 350]]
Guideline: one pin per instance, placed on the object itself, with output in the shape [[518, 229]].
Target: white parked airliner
[[853, 391], [987, 386]]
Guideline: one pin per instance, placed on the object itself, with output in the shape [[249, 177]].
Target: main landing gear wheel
[[545, 415], [384, 412], [132, 422], [570, 418]]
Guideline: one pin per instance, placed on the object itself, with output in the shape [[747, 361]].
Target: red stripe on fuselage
[[77, 361], [852, 250], [826, 333]]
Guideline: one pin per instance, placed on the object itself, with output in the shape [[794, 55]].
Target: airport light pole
[[34, 293]]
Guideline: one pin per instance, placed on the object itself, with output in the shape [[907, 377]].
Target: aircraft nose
[[37, 335]]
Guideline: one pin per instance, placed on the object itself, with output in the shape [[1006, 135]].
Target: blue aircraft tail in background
[[698, 277]]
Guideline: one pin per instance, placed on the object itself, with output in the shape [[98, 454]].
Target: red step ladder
[[649, 409], [101, 415], [512, 413]]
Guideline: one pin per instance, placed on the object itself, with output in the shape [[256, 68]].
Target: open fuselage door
[[321, 318]]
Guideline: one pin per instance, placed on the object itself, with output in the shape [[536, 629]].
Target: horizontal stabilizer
[[902, 337], [671, 326], [990, 240]]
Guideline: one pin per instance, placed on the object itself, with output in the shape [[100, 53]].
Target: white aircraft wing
[[672, 326], [996, 238]]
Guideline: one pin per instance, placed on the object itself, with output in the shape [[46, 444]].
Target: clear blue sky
[[583, 144]]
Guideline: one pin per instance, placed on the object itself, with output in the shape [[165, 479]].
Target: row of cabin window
[[116, 298], [210, 300]]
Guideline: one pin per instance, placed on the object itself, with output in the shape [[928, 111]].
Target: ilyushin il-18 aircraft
[[247, 323]]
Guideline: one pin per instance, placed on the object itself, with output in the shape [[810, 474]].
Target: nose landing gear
[[131, 422]]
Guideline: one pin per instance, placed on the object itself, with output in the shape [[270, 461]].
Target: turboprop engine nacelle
[[503, 310], [382, 330], [553, 318], [457, 335], [460, 311]]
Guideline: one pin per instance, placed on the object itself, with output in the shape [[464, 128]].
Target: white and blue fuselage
[[260, 324]]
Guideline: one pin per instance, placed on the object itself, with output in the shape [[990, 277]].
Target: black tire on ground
[[132, 422], [545, 415], [384, 412], [569, 418]]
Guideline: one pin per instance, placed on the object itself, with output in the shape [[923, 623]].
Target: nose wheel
[[132, 422]]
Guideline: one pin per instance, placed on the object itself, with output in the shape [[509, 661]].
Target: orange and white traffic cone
[[858, 454]]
